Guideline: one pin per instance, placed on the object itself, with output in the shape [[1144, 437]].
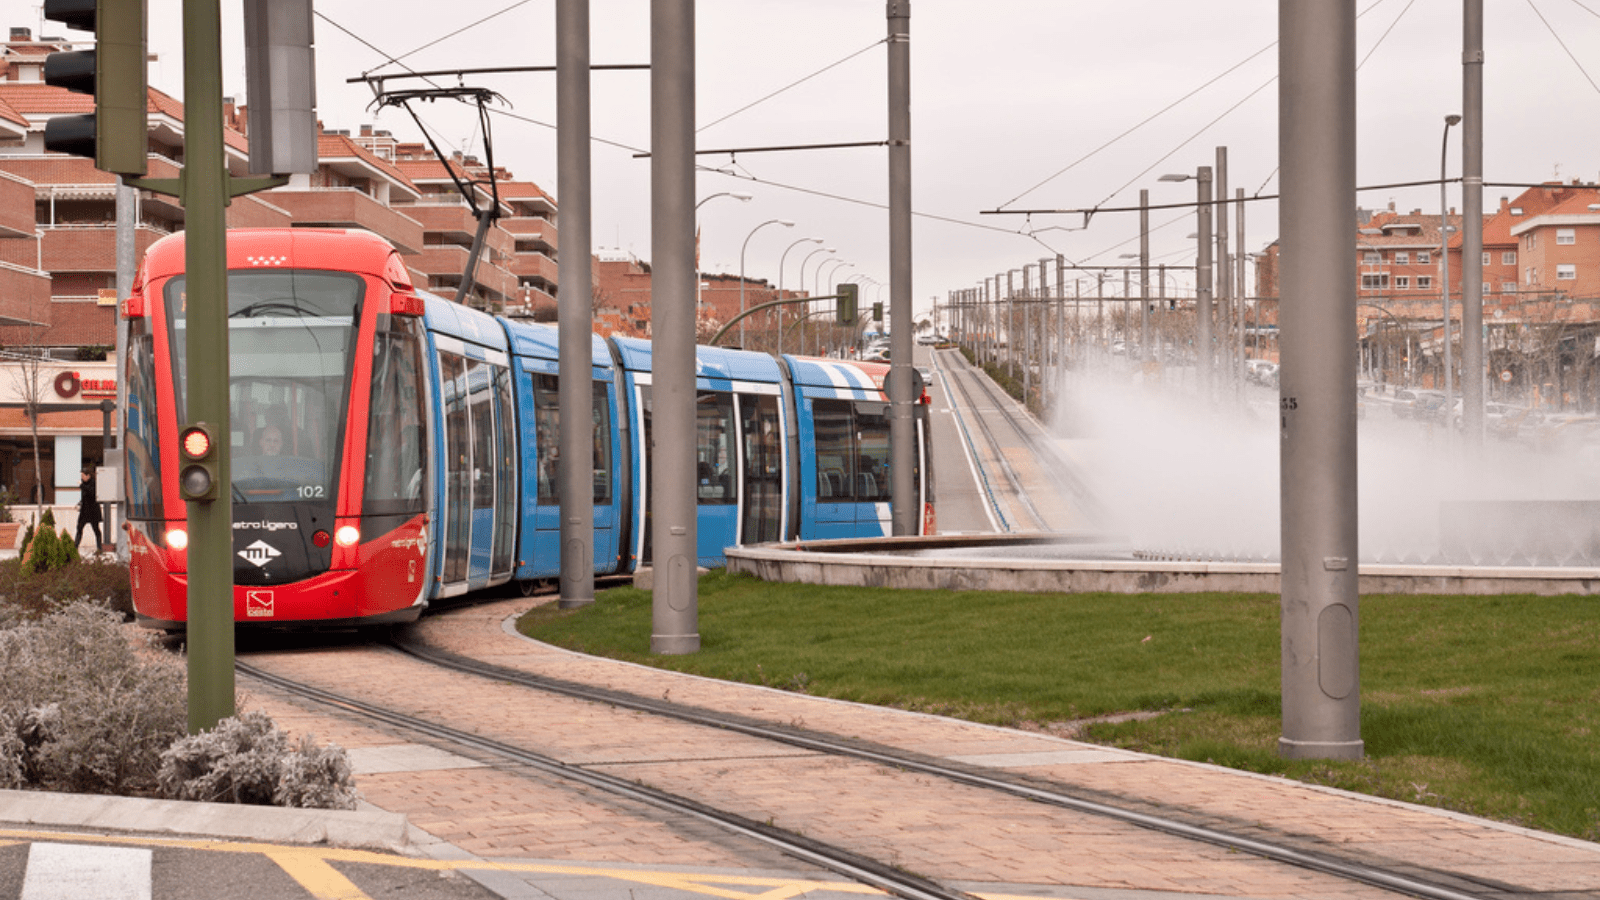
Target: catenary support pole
[[1205, 353], [1473, 371], [675, 606], [1317, 396], [575, 306], [905, 510]]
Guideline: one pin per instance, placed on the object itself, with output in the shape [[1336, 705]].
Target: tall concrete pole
[[1144, 275], [205, 200], [675, 599], [1472, 351], [1205, 354], [1027, 335], [905, 510], [575, 306], [1317, 396], [1241, 291], [1224, 272]]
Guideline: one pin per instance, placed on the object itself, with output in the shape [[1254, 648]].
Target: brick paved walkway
[[948, 832]]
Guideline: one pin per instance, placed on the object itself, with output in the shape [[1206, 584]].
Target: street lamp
[[805, 308], [781, 260], [1444, 268], [840, 264], [742, 247], [1202, 274], [737, 195]]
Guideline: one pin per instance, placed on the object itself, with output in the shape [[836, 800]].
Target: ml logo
[[260, 553]]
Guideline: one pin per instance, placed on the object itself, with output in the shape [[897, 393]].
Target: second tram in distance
[[390, 447]]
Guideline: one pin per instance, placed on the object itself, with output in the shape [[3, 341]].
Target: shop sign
[[69, 385]]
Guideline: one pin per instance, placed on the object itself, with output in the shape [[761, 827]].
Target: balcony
[[24, 296], [532, 233], [89, 247], [443, 263], [16, 207], [350, 208], [535, 266]]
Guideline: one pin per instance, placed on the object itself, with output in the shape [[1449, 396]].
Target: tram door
[[479, 472], [547, 510], [761, 430]]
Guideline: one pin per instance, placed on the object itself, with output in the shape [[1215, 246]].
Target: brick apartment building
[[58, 247], [1541, 295]]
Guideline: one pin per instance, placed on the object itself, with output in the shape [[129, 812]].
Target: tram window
[[143, 455], [396, 454], [547, 435], [714, 459], [872, 452], [836, 456], [481, 408], [505, 534]]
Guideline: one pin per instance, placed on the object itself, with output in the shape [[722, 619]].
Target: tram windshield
[[290, 338]]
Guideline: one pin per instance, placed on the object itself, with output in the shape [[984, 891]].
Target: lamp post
[[742, 197], [781, 260], [817, 292], [805, 308], [745, 246], [839, 265], [1202, 287], [1444, 269]]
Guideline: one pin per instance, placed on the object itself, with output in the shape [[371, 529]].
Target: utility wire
[[1564, 46], [395, 60], [792, 85]]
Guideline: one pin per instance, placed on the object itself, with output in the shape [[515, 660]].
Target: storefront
[[76, 403]]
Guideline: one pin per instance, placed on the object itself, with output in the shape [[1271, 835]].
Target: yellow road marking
[[310, 868]]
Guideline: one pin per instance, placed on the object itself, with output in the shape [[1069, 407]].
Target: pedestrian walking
[[89, 510]]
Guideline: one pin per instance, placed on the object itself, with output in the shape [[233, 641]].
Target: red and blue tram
[[389, 447]]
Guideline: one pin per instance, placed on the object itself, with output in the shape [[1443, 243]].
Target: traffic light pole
[[205, 200]]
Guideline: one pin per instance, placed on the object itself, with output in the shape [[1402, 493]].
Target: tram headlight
[[347, 535], [178, 539]]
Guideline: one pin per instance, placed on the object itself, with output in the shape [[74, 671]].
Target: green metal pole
[[205, 200]]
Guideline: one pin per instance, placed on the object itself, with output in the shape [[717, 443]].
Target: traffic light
[[197, 471], [846, 306], [114, 135]]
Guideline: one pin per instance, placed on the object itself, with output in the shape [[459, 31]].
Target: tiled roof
[[340, 146]]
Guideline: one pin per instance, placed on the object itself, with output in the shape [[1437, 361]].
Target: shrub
[[8, 499], [26, 595], [87, 711], [247, 759]]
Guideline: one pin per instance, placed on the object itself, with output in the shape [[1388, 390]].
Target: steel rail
[[843, 862], [1353, 871]]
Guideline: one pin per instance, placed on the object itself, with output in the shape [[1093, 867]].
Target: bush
[[84, 710], [247, 759], [28, 595]]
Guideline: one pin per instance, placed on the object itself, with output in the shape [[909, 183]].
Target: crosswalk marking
[[77, 871]]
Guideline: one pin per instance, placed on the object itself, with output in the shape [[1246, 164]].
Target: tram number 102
[[311, 491]]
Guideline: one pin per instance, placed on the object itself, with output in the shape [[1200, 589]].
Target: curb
[[366, 829]]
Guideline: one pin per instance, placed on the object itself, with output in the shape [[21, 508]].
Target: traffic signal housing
[[115, 134], [846, 306], [197, 468], [877, 312]]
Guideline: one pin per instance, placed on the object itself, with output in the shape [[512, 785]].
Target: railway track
[[1022, 471], [887, 876]]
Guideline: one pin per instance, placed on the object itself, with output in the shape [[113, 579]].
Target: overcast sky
[[1016, 104]]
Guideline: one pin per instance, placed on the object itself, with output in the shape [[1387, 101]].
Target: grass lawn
[[1486, 705]]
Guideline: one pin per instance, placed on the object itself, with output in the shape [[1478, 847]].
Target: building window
[[1424, 257], [1424, 282], [1508, 287], [1566, 272], [1486, 257], [1531, 239], [1372, 258], [1485, 288], [1566, 235], [1402, 258], [1375, 281], [1402, 282], [1533, 275], [1508, 257]]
